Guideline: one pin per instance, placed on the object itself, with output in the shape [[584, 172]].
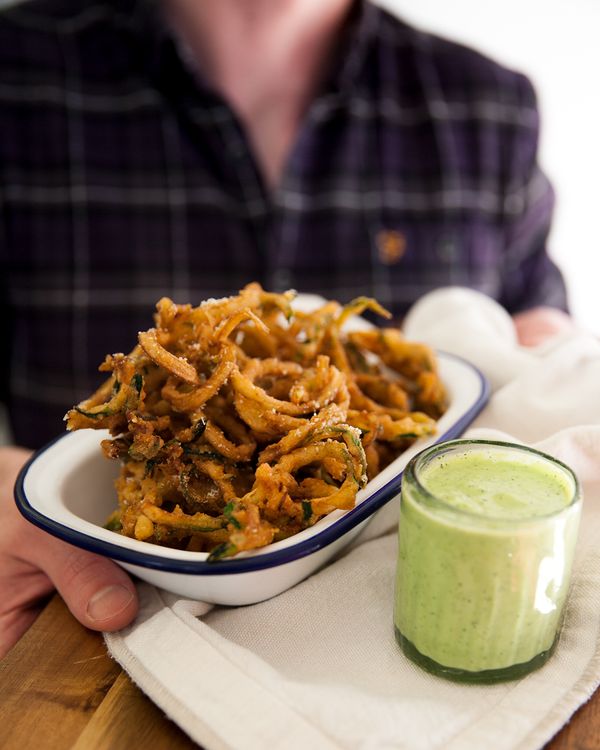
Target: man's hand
[[540, 323], [32, 563]]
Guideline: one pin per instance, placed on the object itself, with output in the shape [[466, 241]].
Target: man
[[188, 147]]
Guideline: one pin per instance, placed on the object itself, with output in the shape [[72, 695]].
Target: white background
[[557, 44]]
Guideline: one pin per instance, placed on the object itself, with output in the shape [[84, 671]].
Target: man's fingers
[[99, 593], [539, 324]]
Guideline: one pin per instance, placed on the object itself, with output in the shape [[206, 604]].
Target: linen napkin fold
[[318, 667]]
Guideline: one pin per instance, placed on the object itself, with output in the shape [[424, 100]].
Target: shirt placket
[[218, 129], [291, 220], [252, 189]]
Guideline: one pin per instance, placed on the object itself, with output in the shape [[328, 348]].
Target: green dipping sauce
[[487, 536]]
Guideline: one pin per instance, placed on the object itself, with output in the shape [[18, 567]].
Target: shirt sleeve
[[530, 277]]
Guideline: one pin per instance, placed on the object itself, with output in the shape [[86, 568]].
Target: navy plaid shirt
[[124, 178]]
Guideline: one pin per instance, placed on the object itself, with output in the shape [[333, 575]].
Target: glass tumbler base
[[513, 672]]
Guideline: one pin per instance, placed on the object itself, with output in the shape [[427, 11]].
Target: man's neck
[[266, 57]]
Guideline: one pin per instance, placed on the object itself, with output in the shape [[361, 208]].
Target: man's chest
[[160, 201]]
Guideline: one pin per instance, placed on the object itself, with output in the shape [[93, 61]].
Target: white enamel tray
[[67, 490]]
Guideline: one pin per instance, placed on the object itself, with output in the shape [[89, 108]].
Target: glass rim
[[437, 503]]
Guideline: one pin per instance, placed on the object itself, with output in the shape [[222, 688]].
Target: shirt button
[[282, 279], [447, 250], [391, 246]]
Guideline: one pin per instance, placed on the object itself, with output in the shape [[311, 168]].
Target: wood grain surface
[[59, 690]]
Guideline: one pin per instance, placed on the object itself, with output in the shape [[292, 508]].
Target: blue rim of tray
[[238, 564]]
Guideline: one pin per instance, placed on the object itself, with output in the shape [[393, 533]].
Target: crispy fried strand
[[241, 421], [157, 353]]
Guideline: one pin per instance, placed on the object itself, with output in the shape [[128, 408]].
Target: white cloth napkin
[[318, 667]]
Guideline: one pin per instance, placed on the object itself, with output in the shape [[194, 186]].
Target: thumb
[[97, 591]]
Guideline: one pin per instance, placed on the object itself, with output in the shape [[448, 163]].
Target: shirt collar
[[156, 41], [355, 44]]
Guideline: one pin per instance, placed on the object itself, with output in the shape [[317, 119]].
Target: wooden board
[[60, 690]]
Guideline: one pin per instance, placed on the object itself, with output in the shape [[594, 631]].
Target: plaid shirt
[[123, 178]]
